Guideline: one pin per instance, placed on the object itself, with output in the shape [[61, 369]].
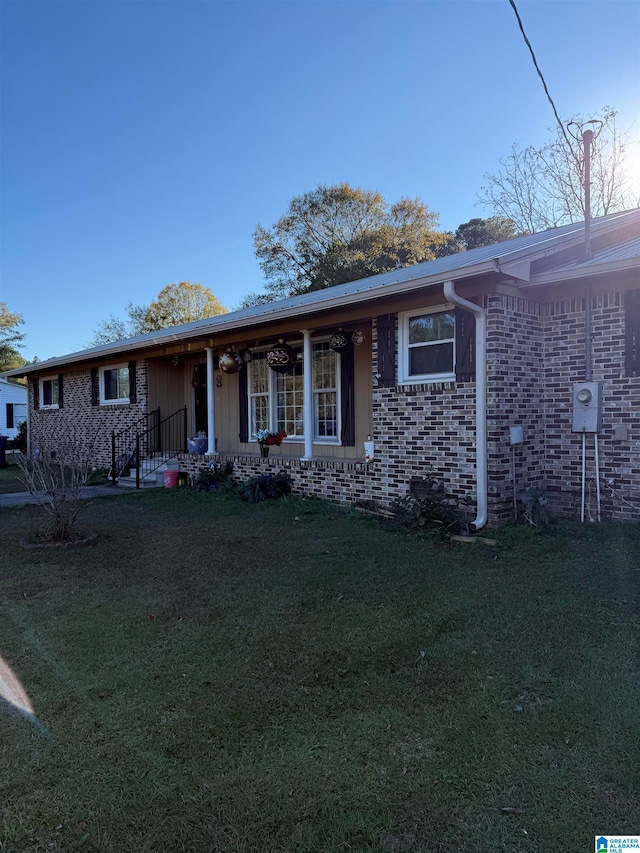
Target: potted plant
[[198, 443], [267, 440]]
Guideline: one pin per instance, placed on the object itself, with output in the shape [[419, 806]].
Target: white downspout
[[211, 390], [481, 399], [307, 394]]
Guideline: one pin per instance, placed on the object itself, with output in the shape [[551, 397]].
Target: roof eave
[[286, 313], [587, 271]]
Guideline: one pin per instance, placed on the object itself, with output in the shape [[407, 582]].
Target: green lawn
[[9, 481], [289, 677]]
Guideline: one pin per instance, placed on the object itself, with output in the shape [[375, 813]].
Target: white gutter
[[481, 399]]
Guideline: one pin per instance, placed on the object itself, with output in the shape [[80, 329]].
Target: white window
[[276, 400], [427, 346], [49, 392], [289, 402], [114, 384], [325, 392], [258, 395]]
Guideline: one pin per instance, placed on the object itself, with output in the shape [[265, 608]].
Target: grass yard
[[289, 677], [9, 481]]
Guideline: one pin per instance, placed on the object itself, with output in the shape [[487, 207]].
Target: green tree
[[336, 234], [175, 305], [181, 303], [484, 232], [541, 188], [10, 338]]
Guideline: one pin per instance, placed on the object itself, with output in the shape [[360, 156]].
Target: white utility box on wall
[[586, 406]]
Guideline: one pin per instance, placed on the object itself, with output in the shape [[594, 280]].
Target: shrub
[[98, 477], [435, 510], [214, 477], [20, 441], [55, 478], [265, 487]]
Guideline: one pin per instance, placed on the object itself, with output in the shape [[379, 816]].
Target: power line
[[540, 75]]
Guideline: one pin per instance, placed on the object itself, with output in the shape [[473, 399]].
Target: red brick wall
[[78, 418], [619, 440]]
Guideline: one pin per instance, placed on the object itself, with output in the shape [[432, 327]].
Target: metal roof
[[495, 258]]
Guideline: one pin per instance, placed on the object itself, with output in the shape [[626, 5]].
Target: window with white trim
[[289, 402], [114, 384], [427, 346], [276, 400], [258, 395], [325, 392], [49, 392]]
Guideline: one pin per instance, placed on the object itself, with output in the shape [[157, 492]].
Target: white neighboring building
[[13, 407]]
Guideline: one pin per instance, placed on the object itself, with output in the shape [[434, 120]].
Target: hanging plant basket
[[230, 362], [340, 342], [282, 358]]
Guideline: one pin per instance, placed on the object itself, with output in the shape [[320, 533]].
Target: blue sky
[[143, 141]]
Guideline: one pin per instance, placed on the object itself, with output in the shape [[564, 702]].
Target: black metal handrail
[[167, 438], [125, 452]]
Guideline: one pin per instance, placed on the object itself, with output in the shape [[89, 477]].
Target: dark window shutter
[[36, 393], [465, 331], [243, 403], [133, 391], [95, 390], [60, 391], [386, 328], [348, 398], [632, 333], [9, 415]]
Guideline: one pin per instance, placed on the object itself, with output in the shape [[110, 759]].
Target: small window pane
[[110, 385], [325, 415], [431, 327], [259, 381], [49, 392], [116, 383], [436, 358], [123, 383]]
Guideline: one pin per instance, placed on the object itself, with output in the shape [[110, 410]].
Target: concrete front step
[[151, 474], [152, 465], [148, 482]]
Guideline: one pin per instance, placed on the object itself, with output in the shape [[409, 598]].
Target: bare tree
[[55, 479], [540, 188]]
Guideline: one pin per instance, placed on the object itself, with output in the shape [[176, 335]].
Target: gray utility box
[[587, 399]]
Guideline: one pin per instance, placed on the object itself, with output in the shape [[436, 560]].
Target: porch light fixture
[[230, 362], [282, 358], [245, 355]]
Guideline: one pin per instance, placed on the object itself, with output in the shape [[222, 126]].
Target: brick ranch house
[[435, 363]]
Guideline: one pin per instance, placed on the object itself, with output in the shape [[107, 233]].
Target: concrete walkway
[[19, 498]]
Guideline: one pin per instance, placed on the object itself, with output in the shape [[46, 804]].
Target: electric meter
[[586, 407]]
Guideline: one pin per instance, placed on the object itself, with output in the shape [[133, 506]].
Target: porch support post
[[307, 394], [211, 420]]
